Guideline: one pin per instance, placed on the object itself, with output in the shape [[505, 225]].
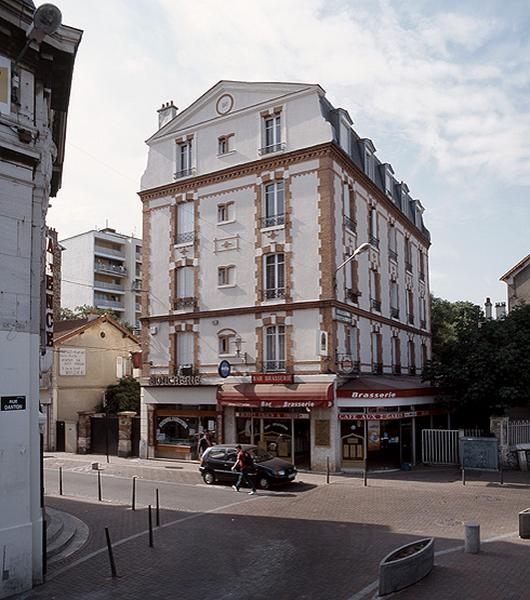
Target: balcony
[[422, 276], [374, 241], [377, 368], [346, 365], [187, 302], [393, 255], [110, 251], [394, 312], [396, 369], [375, 304], [350, 224], [136, 285], [106, 303], [184, 173], [352, 295], [412, 370], [110, 268], [272, 221], [410, 319], [423, 325], [108, 285], [273, 366], [273, 294], [271, 148], [408, 266], [188, 237]]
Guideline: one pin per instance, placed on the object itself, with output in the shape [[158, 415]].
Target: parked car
[[217, 463]]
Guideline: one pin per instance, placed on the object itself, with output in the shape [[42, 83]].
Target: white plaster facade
[[328, 196], [103, 268], [34, 98]]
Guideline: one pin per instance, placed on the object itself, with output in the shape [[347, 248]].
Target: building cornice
[[290, 306]]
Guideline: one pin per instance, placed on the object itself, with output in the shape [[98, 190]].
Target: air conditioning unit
[[185, 370]]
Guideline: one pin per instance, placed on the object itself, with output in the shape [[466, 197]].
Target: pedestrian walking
[[204, 444], [244, 465]]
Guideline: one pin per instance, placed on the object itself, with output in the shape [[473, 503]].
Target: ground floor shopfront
[[372, 420], [381, 421]]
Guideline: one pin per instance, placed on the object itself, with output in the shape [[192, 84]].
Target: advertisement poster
[[374, 440]]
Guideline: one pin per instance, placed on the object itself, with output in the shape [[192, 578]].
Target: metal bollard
[[150, 527], [463, 476], [471, 537], [60, 481], [99, 486], [133, 503], [327, 469], [157, 509], [502, 475], [111, 555]]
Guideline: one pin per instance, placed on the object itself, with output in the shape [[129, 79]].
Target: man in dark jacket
[[244, 465]]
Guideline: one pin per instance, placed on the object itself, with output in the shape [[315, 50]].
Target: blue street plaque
[[224, 369]]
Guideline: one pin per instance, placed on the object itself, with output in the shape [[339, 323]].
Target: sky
[[442, 89]]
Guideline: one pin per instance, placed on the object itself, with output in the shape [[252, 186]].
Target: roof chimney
[[487, 308], [166, 112], [500, 310]]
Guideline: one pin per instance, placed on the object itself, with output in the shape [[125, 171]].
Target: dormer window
[[389, 181], [369, 158]]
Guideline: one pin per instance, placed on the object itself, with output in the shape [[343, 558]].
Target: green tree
[[125, 395], [84, 311], [484, 364]]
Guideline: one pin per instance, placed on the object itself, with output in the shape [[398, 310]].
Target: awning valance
[[262, 395]]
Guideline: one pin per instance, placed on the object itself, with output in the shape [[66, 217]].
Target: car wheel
[[208, 477], [263, 482]]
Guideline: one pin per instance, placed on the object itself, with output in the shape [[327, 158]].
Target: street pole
[[365, 448], [107, 432]]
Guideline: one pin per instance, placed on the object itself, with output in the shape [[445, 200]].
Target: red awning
[[381, 387], [263, 395]]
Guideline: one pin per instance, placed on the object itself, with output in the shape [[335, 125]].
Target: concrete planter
[[406, 565], [524, 524]]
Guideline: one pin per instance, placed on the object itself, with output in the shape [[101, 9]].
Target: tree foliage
[[84, 311], [482, 363], [125, 395]]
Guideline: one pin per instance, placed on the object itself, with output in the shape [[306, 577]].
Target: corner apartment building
[[37, 56], [103, 268], [254, 198]]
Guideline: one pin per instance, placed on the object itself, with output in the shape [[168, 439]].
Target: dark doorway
[[59, 436], [135, 436], [101, 429]]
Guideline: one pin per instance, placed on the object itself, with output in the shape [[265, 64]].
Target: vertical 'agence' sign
[[48, 278]]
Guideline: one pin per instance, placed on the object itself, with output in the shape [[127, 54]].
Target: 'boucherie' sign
[[175, 380]]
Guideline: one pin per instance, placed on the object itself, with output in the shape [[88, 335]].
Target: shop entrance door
[[276, 437]]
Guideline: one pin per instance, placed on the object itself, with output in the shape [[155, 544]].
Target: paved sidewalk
[[315, 542]]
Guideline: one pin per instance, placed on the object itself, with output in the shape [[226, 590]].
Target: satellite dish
[[46, 21]]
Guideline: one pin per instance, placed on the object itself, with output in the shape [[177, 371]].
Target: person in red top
[[243, 464]]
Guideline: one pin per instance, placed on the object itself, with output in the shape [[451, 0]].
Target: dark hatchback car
[[217, 463]]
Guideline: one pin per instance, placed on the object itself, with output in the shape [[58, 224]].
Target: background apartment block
[[253, 197], [103, 268]]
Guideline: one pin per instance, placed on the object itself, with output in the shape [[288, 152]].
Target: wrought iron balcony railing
[[408, 266], [422, 276], [188, 237], [375, 304], [184, 302], [184, 173], [423, 325], [272, 221], [271, 148], [273, 366], [394, 312], [377, 368], [352, 295], [410, 319], [374, 241], [396, 369], [412, 370], [273, 294], [393, 255]]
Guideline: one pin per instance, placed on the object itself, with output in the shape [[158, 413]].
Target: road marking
[[145, 532], [375, 584]]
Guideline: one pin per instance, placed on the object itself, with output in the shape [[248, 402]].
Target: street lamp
[[362, 248]]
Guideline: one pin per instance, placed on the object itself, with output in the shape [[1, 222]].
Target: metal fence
[[440, 447], [518, 433]]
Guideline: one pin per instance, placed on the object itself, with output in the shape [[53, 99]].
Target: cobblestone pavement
[[312, 541]]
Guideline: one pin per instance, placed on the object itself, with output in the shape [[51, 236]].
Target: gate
[[135, 436], [101, 430], [440, 447]]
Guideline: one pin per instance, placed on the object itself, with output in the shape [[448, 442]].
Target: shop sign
[[389, 416], [174, 380], [285, 378], [72, 362], [293, 404], [224, 369], [373, 395], [173, 419], [10, 403], [48, 293], [343, 316], [272, 415]]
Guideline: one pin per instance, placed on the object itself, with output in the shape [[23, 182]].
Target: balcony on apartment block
[[107, 251], [112, 269], [109, 285], [103, 302]]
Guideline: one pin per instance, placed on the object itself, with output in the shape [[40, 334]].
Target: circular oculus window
[[224, 104]]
